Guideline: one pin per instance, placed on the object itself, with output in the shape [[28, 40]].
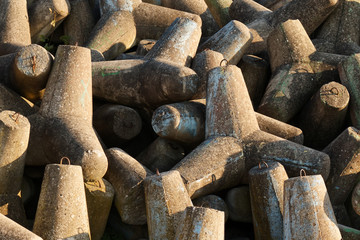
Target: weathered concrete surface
[[162, 154], [231, 41], [116, 123], [78, 25], [345, 165], [142, 83], [14, 26], [63, 126], [229, 110], [14, 139], [127, 176], [349, 71], [216, 164], [322, 118], [199, 7], [166, 198], [298, 71], [200, 223], [111, 36], [99, 198], [45, 16], [10, 230], [31, 68], [340, 31], [219, 10], [62, 211], [349, 233], [152, 20], [214, 202], [308, 213], [178, 43], [266, 183], [118, 5], [185, 122], [202, 63]]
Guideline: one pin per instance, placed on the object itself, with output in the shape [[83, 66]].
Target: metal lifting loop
[[15, 116], [302, 173], [66, 158], [267, 166], [226, 62]]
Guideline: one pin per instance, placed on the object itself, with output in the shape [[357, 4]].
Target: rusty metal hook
[[13, 116], [226, 62], [267, 166], [66, 158]]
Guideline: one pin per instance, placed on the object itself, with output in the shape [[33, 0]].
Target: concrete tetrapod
[[219, 10], [267, 199], [200, 223], [349, 71], [308, 213], [340, 32], [45, 16], [231, 41], [345, 169], [14, 138], [110, 36], [10, 230], [311, 13], [233, 138], [214, 202], [62, 210], [228, 102], [229, 112], [202, 63], [162, 154], [127, 177], [150, 20], [297, 75], [99, 198], [199, 7], [238, 201], [10, 100], [256, 71], [79, 23], [63, 126], [30, 71], [166, 199], [185, 122], [11, 206], [178, 43], [116, 123], [322, 118], [143, 83], [14, 26]]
